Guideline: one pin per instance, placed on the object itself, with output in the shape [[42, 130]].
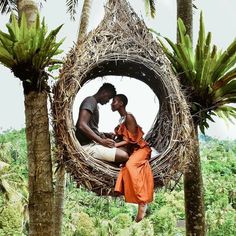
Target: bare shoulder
[[130, 117]]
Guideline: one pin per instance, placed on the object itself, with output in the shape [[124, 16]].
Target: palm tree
[[193, 183], [60, 173], [59, 199], [84, 20], [208, 78], [28, 36]]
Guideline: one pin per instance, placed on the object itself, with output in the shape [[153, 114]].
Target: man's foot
[[141, 212]]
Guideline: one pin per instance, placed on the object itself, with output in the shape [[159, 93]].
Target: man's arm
[[82, 124]]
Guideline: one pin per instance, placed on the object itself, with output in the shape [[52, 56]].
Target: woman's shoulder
[[130, 117]]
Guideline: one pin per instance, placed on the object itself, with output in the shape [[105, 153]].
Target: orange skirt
[[135, 179]]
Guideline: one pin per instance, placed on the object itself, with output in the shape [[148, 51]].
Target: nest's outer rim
[[117, 47]]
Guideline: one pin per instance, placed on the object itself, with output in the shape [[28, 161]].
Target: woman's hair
[[122, 98]]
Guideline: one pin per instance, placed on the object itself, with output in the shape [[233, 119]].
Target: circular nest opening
[[142, 102], [122, 46]]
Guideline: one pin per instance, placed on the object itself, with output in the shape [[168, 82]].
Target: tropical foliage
[[73, 4], [87, 214], [150, 7], [28, 51], [206, 74], [7, 6], [72, 8], [13, 183]]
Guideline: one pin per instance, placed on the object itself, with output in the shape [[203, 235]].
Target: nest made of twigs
[[122, 45]]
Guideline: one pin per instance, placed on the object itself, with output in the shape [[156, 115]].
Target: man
[[100, 145]]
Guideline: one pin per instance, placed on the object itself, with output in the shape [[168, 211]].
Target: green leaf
[[225, 61], [30, 46], [228, 113], [207, 75], [227, 89]]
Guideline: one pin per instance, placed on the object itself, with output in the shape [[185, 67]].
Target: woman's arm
[[121, 143]]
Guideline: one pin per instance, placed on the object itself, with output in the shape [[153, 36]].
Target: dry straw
[[122, 45]]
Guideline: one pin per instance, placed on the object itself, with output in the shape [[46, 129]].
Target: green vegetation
[[89, 215], [206, 73], [29, 50], [24, 46]]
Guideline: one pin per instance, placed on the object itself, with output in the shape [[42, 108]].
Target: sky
[[219, 18]]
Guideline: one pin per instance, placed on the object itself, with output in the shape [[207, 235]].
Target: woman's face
[[116, 104]]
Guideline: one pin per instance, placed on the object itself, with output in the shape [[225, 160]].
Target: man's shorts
[[100, 152]]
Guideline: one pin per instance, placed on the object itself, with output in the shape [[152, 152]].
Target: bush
[[164, 222], [221, 222], [10, 221], [84, 225]]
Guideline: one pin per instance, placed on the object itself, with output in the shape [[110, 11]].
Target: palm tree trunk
[[60, 177], [185, 12], [193, 193], [193, 184], [38, 149], [84, 20], [59, 200], [29, 8], [40, 165]]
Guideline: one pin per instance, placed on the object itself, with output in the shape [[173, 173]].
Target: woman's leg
[[142, 207], [121, 156]]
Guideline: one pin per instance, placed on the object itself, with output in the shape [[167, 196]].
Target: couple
[[126, 146]]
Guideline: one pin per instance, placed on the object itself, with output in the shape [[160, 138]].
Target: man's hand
[[110, 135], [107, 142]]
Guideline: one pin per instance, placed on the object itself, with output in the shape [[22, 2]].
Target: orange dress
[[135, 179]]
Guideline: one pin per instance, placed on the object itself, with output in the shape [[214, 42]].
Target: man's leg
[[107, 154]]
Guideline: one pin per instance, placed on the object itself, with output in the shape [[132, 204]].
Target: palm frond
[[225, 61], [228, 113], [150, 7], [229, 88], [208, 76], [71, 8], [227, 77], [28, 49], [7, 6]]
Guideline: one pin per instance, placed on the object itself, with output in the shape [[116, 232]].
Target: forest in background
[[86, 214]]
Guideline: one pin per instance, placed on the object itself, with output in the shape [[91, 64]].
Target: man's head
[[106, 92]]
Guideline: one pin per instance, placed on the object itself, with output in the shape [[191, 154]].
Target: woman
[[135, 180]]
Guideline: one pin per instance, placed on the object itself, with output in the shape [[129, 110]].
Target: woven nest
[[122, 45]]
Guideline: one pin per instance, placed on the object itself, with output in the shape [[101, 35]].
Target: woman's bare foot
[[141, 212]]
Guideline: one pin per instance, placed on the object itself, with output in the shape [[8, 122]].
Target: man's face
[[107, 96]]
